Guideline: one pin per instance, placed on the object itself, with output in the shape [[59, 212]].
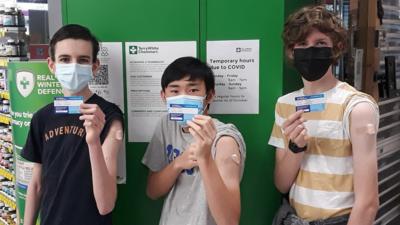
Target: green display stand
[[31, 86]]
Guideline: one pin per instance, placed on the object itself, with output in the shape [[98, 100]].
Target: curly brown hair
[[299, 25]]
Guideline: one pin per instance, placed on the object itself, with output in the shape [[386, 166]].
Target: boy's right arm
[[287, 163], [34, 195], [160, 183]]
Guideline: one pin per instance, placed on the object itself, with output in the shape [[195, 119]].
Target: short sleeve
[[114, 114], [230, 130], [32, 151], [155, 157], [277, 139], [356, 99]]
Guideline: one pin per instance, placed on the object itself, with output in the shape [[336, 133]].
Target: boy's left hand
[[94, 120], [204, 132]]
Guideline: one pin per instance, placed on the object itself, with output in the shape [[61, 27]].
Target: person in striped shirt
[[324, 133]]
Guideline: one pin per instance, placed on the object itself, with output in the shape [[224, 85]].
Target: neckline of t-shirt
[[325, 92]]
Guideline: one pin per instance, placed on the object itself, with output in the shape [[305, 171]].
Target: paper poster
[[145, 63], [236, 68], [108, 83]]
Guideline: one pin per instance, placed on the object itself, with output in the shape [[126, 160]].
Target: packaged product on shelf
[[3, 49], [6, 106], [14, 12], [11, 48], [5, 215], [8, 137], [1, 14], [13, 219], [2, 132], [8, 18]]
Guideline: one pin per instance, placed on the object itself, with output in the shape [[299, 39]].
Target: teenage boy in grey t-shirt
[[198, 164]]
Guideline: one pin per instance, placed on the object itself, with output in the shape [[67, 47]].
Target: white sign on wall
[[236, 68], [145, 63]]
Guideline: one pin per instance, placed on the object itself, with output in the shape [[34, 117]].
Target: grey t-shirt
[[186, 203]]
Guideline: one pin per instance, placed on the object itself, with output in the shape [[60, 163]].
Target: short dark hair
[[188, 67], [74, 31]]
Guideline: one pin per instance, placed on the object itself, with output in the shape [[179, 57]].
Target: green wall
[[200, 20], [254, 19]]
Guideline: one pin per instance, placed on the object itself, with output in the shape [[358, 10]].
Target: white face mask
[[73, 77]]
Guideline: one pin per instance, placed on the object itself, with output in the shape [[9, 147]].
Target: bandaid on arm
[[367, 129], [119, 134], [235, 158]]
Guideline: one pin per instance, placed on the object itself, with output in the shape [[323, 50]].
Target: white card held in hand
[[67, 105], [311, 103]]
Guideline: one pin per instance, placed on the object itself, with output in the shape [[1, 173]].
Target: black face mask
[[313, 62]]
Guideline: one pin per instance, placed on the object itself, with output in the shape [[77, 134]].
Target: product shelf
[[5, 118], [7, 145], [5, 95], [5, 59], [12, 29], [8, 200], [13, 40], [3, 222], [5, 173]]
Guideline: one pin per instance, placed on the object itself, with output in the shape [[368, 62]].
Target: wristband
[[296, 149]]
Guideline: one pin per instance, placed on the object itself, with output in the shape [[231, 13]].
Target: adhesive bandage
[[119, 135], [235, 158]]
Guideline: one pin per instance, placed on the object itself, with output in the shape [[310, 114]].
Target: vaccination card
[[67, 105], [310, 103], [182, 112]]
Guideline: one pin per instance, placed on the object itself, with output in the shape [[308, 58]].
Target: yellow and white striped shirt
[[324, 184]]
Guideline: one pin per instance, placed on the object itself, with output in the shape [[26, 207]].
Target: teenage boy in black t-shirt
[[74, 155]]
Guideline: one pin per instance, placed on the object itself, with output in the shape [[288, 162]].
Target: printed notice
[[108, 83], [145, 63], [236, 68]]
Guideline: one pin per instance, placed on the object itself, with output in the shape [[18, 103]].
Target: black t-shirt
[[57, 141]]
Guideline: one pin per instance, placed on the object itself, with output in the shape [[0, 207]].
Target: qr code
[[101, 77]]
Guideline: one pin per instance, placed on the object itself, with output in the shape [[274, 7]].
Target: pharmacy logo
[[133, 50], [239, 50], [25, 83]]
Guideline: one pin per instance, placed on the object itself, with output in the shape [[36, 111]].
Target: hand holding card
[[295, 130], [94, 120]]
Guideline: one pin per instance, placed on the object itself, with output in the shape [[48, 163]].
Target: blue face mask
[[182, 108], [73, 77]]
